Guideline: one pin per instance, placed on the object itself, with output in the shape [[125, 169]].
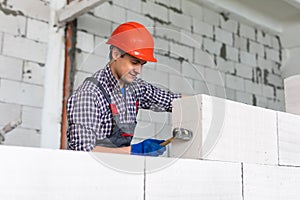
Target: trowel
[[180, 134]]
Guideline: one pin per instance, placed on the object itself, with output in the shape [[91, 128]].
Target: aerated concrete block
[[168, 178], [289, 139], [292, 95], [225, 130]]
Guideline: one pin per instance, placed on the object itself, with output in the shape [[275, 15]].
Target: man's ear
[[115, 53]]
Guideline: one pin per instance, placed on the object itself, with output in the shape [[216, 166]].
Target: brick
[[247, 31], [201, 87], [90, 63], [211, 46], [248, 58], [244, 71], [32, 8], [37, 30], [31, 117], [168, 32], [190, 39], [15, 25], [229, 25], [265, 64], [264, 38], [33, 73], [154, 117], [1, 40], [181, 84], [289, 139], [169, 65], [79, 78], [226, 131], [270, 182], [10, 68], [292, 97], [240, 43], [101, 48], [14, 46], [85, 41], [161, 46], [181, 20], [9, 112], [234, 82], [108, 12], [280, 95], [232, 53], [211, 17], [275, 42], [156, 77], [268, 91], [164, 182], [95, 25], [23, 137], [192, 9], [244, 97], [216, 91], [224, 36], [137, 17], [214, 76], [261, 101], [21, 93], [202, 28], [204, 58], [134, 5], [274, 104], [275, 80], [225, 66], [272, 54], [256, 48], [181, 51], [155, 10], [193, 71], [254, 88]]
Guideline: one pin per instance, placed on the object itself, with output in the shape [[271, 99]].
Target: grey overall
[[122, 133]]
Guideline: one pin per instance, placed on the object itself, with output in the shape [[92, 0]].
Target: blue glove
[[149, 147]]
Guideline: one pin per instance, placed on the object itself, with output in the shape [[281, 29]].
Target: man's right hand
[[148, 147]]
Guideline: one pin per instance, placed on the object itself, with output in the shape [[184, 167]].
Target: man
[[102, 111]]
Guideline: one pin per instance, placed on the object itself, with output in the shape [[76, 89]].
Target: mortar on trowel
[[181, 134]]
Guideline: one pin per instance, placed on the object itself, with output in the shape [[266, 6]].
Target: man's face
[[126, 68]]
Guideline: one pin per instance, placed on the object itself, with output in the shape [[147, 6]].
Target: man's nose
[[138, 69]]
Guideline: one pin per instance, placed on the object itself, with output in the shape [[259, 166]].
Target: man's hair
[[120, 50]]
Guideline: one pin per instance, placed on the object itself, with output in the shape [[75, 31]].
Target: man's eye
[[135, 63]]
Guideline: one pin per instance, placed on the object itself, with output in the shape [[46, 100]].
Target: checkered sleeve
[[83, 120], [155, 98]]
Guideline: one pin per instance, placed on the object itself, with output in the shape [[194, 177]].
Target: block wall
[[198, 51], [23, 51]]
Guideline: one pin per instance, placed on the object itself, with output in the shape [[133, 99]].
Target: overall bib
[[122, 133]]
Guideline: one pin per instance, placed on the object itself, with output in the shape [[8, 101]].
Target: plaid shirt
[[89, 115]]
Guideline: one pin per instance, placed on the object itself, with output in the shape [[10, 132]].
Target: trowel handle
[[168, 141]]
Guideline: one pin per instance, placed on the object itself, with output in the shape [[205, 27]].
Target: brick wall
[[23, 48], [198, 51]]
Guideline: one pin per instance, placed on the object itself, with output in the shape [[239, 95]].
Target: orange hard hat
[[134, 39]]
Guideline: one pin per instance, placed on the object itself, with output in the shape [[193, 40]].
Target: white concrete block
[[289, 139], [31, 117], [181, 20], [169, 32], [264, 38], [157, 78], [232, 53], [32, 8], [202, 28], [190, 39], [193, 71], [37, 30], [192, 9], [229, 25], [192, 179], [292, 97], [200, 87], [273, 54], [101, 48], [95, 25], [19, 47], [225, 65], [240, 43], [9, 112], [85, 41], [33, 73], [252, 87], [23, 137], [86, 174], [268, 91], [154, 117], [155, 10], [214, 76], [225, 130], [10, 68], [80, 77], [204, 58], [167, 64], [244, 70], [211, 16], [248, 58], [144, 129], [256, 48], [181, 84], [234, 82], [90, 63], [271, 182], [180, 51], [1, 40], [110, 12], [275, 42], [275, 80], [137, 17], [161, 46], [134, 5], [15, 25], [21, 93], [244, 97], [247, 31], [266, 64], [224, 36], [211, 46]]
